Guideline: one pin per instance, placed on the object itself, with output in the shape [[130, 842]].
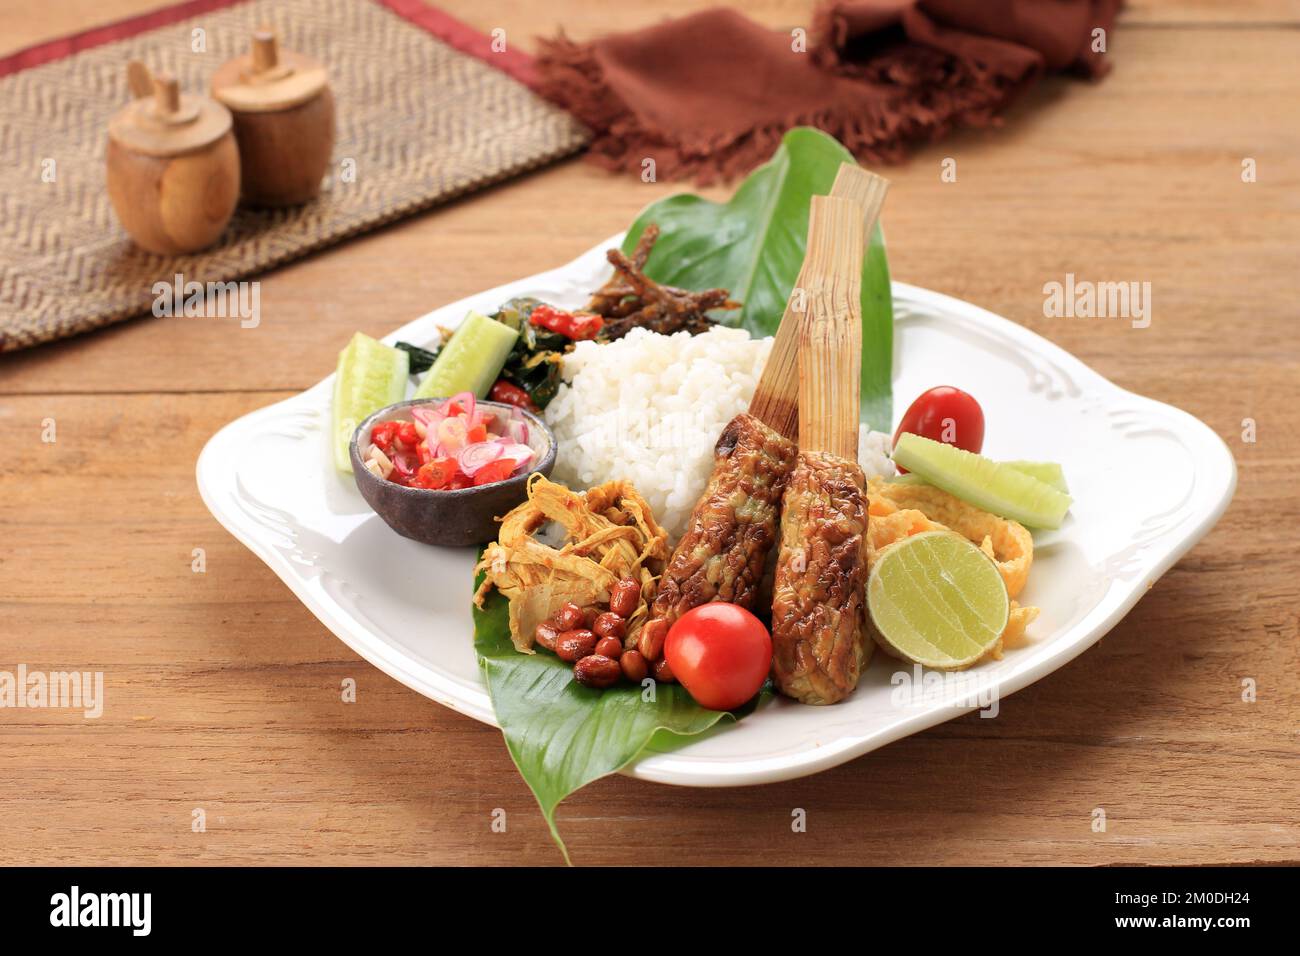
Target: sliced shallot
[[473, 457], [519, 453], [451, 435]]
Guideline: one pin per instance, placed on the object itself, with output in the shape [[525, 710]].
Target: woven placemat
[[421, 121]]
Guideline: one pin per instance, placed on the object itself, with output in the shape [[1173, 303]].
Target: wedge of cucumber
[[1048, 472], [471, 360], [370, 375], [990, 485]]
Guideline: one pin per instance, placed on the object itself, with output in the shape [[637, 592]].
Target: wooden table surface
[[223, 691]]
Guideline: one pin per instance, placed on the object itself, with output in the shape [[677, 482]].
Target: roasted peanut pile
[[586, 599]]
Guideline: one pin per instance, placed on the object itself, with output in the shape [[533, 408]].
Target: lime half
[[937, 600]]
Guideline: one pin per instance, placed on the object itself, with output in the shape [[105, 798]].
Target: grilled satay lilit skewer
[[722, 555], [818, 606]]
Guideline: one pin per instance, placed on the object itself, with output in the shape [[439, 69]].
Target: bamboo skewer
[[776, 399], [868, 189], [830, 354], [830, 340], [818, 592]]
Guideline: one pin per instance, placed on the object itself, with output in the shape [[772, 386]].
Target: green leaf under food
[[753, 245], [561, 735]]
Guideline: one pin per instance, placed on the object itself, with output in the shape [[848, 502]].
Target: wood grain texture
[[223, 692]]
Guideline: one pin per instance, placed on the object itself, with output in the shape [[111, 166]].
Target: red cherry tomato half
[[720, 653], [407, 434], [945, 414], [382, 435], [510, 394], [436, 474]]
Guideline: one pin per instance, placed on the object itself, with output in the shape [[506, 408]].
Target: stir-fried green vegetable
[[534, 363]]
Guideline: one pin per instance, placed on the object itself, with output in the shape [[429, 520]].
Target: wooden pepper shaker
[[173, 168], [284, 121]]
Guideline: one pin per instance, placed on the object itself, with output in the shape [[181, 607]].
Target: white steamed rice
[[649, 408]]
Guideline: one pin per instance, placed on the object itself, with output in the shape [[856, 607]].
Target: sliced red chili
[[585, 325], [574, 325], [549, 317]]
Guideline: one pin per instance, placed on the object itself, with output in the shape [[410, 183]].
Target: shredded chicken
[[610, 534]]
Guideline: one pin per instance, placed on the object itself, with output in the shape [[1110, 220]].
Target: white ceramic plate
[[1148, 481]]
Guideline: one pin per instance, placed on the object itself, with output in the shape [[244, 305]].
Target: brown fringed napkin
[[708, 96]]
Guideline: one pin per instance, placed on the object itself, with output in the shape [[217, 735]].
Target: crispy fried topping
[[610, 534], [631, 299]]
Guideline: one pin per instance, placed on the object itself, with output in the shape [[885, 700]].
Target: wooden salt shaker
[[284, 121], [173, 168]]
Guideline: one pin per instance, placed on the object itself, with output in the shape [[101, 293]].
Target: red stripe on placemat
[[465, 38], [97, 36], [433, 21]]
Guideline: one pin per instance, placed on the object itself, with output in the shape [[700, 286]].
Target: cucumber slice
[[908, 479], [471, 360], [370, 375], [1048, 472], [982, 482]]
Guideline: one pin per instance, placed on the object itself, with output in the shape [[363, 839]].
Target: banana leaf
[[754, 243], [561, 735]]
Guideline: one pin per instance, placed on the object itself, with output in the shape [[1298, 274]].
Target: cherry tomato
[[508, 393], [720, 653], [498, 470], [945, 414]]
